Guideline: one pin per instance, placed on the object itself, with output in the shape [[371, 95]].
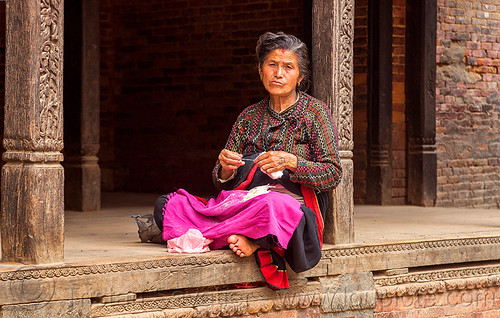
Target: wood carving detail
[[409, 246], [435, 287], [345, 76], [452, 274], [51, 74], [73, 271], [227, 258], [218, 304]]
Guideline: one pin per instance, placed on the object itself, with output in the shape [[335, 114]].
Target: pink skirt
[[231, 213]]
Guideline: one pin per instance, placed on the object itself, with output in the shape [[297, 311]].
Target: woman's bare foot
[[241, 245]]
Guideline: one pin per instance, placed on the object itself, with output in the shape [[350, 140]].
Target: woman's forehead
[[282, 55]]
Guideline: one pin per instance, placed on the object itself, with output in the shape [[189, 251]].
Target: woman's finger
[[231, 154], [272, 161], [230, 160]]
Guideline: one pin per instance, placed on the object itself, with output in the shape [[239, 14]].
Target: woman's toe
[[232, 239]]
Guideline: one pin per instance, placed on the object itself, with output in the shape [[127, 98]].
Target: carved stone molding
[[407, 246], [434, 287], [227, 303], [25, 273], [244, 302], [438, 281], [462, 273]]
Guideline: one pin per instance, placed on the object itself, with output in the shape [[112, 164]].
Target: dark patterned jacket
[[305, 129]]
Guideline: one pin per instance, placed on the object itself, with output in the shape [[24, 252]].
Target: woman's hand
[[229, 161], [273, 161]]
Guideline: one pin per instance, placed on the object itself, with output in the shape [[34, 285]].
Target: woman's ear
[[300, 80], [260, 72]]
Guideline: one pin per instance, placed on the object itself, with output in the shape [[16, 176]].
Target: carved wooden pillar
[[379, 176], [332, 53], [32, 217], [421, 27], [81, 100]]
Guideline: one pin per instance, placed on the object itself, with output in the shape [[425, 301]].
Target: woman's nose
[[279, 71]]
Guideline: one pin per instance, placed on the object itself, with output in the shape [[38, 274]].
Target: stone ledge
[[350, 292], [26, 284], [429, 282], [230, 302], [61, 309], [343, 259]]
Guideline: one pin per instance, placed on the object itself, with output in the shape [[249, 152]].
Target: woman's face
[[280, 73]]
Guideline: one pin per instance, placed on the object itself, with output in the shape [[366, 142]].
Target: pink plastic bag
[[190, 242]]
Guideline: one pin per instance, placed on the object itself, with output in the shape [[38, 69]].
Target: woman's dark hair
[[269, 42]]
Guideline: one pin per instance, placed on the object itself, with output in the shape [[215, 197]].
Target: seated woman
[[284, 150]]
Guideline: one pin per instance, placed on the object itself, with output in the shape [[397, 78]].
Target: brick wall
[[468, 106], [108, 90], [360, 100], [175, 74], [464, 302], [398, 102]]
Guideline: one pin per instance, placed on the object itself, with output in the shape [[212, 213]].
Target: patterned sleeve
[[325, 172]]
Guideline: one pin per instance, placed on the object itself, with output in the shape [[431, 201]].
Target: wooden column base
[[422, 180], [32, 212], [82, 190], [339, 223], [379, 185]]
